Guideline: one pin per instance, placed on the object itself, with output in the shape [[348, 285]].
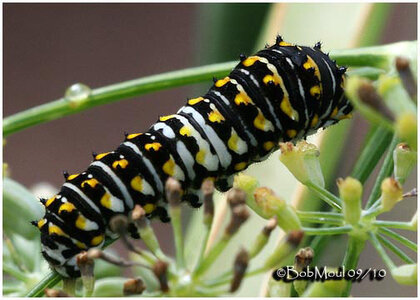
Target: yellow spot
[[149, 207], [154, 146], [80, 222], [216, 116], [102, 155], [291, 133], [106, 201], [97, 240], [242, 98], [268, 146], [133, 135], [315, 91], [314, 120], [71, 177], [200, 156], [81, 245], [348, 116], [310, 63], [122, 163], [259, 121], [137, 184], [185, 131], [286, 107], [41, 223], [240, 166], [91, 182], [195, 100], [165, 118], [284, 44], [250, 61], [67, 206], [233, 142], [222, 82], [50, 201], [169, 167], [334, 112], [268, 78], [55, 230]]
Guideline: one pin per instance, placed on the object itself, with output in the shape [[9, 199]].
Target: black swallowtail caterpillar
[[283, 93]]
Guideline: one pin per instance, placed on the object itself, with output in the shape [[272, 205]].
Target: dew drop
[[77, 93]]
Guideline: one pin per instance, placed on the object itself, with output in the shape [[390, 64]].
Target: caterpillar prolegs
[[283, 93]]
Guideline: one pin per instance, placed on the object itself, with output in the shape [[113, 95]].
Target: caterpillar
[[283, 93]]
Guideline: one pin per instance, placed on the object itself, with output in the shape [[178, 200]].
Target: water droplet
[[77, 93]]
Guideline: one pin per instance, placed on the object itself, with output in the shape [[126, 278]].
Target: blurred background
[[48, 47]]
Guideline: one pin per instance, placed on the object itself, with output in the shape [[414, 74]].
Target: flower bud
[[248, 184], [270, 205], [391, 193], [328, 288], [303, 258], [134, 286], [287, 245], [262, 238], [404, 161], [406, 129], [351, 192], [405, 274], [302, 161]]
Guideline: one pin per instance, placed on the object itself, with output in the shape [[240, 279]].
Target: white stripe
[[328, 110], [219, 146], [211, 162], [82, 195], [184, 154], [117, 180], [249, 134], [147, 163]]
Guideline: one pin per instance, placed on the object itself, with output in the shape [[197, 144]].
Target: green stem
[[320, 220], [351, 258], [386, 170], [371, 154], [47, 282], [175, 213], [108, 94], [320, 214], [394, 224], [211, 256], [226, 278], [398, 237], [387, 243], [326, 196], [204, 244], [375, 242], [327, 230]]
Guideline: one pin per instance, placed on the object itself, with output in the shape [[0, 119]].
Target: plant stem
[[47, 282], [387, 243], [211, 256], [351, 258], [394, 224], [386, 170], [371, 154], [327, 230], [375, 242], [326, 195], [403, 240], [175, 213], [103, 95]]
